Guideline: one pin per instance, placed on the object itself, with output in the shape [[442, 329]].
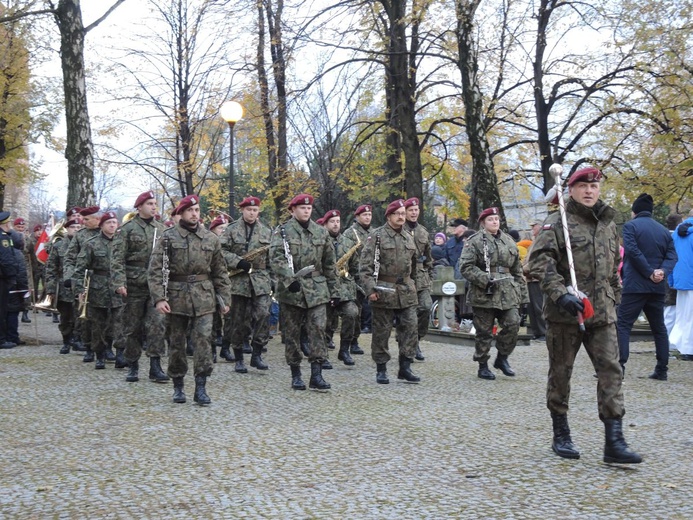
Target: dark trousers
[[13, 326], [632, 304], [534, 309], [4, 301]]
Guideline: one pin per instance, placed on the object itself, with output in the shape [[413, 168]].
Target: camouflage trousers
[[563, 342], [67, 319], [105, 325], [314, 319], [82, 328], [405, 331], [141, 320], [349, 313], [200, 332], [423, 311], [248, 317], [509, 324]]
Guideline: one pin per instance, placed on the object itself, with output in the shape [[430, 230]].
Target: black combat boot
[[156, 374], [344, 355], [355, 349], [660, 373], [405, 371], [189, 349], [65, 348], [214, 352], [381, 374], [240, 366], [110, 355], [501, 363], [120, 359], [326, 365], [133, 372], [88, 355], [76, 344], [419, 355], [296, 381], [201, 396], [485, 373], [316, 380], [615, 448], [225, 352], [178, 394], [562, 443], [100, 360], [25, 317], [247, 349], [330, 344], [256, 359]]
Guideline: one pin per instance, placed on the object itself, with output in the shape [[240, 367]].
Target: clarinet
[[165, 270], [487, 261], [287, 250], [376, 259]]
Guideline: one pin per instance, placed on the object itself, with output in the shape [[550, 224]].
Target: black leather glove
[[245, 265], [67, 283], [571, 304], [295, 286], [683, 229], [335, 301]]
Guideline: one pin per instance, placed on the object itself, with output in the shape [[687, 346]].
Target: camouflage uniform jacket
[[104, 257], [424, 260], [510, 289], [55, 271], [397, 266], [235, 244], [76, 245], [595, 244], [311, 246], [346, 286], [138, 241], [190, 254]]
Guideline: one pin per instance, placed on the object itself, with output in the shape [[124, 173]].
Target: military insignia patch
[[5, 243]]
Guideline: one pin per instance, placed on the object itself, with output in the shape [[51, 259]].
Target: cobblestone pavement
[[82, 443]]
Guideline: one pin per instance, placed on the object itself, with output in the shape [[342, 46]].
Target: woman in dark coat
[[16, 302]]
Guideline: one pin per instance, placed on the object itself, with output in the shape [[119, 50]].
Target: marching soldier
[[303, 260], [346, 245], [361, 226], [187, 274], [246, 249], [90, 228], [140, 318], [388, 263], [424, 269], [102, 256], [218, 226], [55, 276], [491, 263]]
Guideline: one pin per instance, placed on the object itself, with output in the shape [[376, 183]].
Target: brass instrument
[[46, 305], [58, 231], [343, 263], [249, 256], [83, 304], [129, 216]]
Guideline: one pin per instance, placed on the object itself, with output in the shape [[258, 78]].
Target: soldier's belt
[[99, 272], [394, 279], [136, 264], [500, 270], [189, 278]]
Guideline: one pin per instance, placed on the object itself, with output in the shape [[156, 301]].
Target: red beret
[[19, 222], [585, 175], [363, 209], [487, 213], [72, 212], [89, 211], [185, 203], [411, 202], [109, 215], [169, 223], [304, 199], [320, 221], [221, 219], [73, 220], [38, 227], [249, 201], [330, 214], [394, 206], [144, 197]]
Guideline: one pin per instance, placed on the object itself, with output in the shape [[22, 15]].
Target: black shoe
[[120, 359], [88, 356], [326, 365], [25, 317], [419, 355], [65, 349], [156, 374], [110, 355], [247, 349], [356, 349], [405, 371], [7, 344], [485, 373], [256, 360], [658, 375], [501, 363], [201, 396], [100, 361], [178, 394], [133, 372], [316, 380], [225, 353], [56, 318], [562, 444], [344, 355], [615, 448], [296, 381], [331, 344], [381, 374], [240, 366], [77, 345]]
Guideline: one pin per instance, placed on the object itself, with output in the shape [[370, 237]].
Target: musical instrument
[[165, 269], [129, 216], [47, 304], [250, 256], [342, 265], [82, 309], [58, 231]]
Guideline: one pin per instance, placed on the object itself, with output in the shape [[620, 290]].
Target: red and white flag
[[41, 250]]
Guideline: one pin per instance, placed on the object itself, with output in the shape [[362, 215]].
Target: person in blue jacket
[[682, 281]]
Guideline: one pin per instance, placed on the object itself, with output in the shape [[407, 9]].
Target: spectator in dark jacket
[[649, 257], [438, 250], [453, 247], [16, 301]]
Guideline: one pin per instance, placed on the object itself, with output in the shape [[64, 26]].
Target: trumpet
[[83, 304], [47, 304]]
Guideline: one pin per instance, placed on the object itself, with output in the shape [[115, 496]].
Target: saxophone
[[343, 263], [250, 256]]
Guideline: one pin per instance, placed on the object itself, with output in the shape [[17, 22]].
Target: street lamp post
[[231, 112]]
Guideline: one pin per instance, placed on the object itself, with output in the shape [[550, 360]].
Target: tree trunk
[[484, 181], [541, 107], [79, 150]]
